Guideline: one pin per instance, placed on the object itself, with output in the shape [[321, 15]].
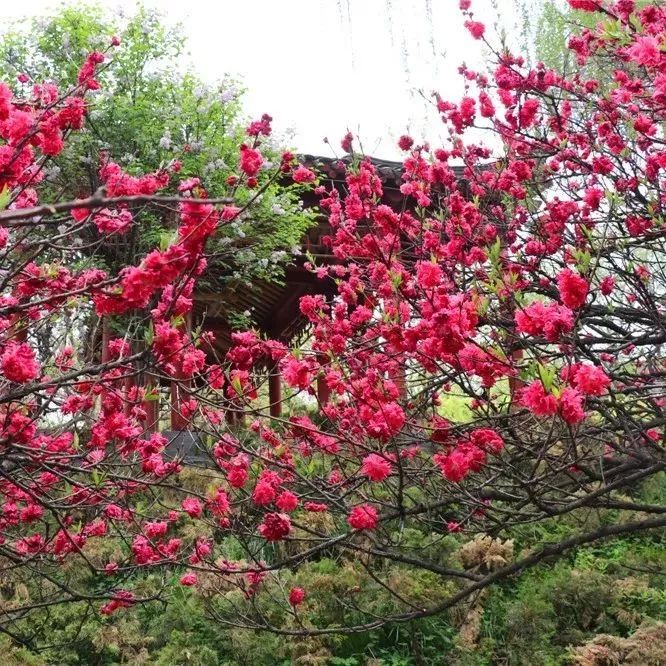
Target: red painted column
[[18, 330], [400, 380], [129, 382], [125, 385], [178, 396], [179, 389], [235, 415], [323, 391], [106, 356], [151, 407], [515, 382], [275, 391], [106, 338]]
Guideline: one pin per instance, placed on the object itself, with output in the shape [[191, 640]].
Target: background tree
[[538, 297], [63, 400], [150, 111]]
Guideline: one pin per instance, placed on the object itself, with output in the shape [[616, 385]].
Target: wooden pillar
[[275, 391], [508, 309], [323, 391], [129, 383], [179, 388], [178, 396], [106, 338], [235, 415], [107, 387], [151, 407], [18, 330], [515, 382], [400, 380]]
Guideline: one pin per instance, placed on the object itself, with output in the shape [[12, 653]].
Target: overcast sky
[[322, 66]]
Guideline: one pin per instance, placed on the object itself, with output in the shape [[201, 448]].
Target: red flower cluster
[[376, 468], [296, 596], [569, 405], [18, 363], [588, 379], [468, 455], [363, 517], [551, 321], [302, 174], [251, 160], [275, 526], [573, 289]]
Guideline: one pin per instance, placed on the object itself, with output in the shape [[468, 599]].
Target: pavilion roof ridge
[[388, 170]]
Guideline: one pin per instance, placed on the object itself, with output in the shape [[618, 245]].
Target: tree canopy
[[150, 111]]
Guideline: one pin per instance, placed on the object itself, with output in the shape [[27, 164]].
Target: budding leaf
[[4, 197]]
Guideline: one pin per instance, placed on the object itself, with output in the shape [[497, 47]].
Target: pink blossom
[[363, 517], [535, 398], [296, 596], [109, 222], [571, 406], [275, 527], [251, 160], [645, 51], [607, 285], [260, 127], [286, 501], [638, 225], [296, 373], [18, 363], [192, 507], [121, 599], [573, 288], [466, 457], [487, 439], [591, 379], [475, 28], [302, 174], [156, 529], [264, 493], [188, 579], [551, 320], [376, 468], [405, 142], [315, 507], [428, 274], [584, 5]]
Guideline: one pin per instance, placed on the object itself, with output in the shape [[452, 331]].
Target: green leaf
[[494, 253], [583, 260], [547, 376], [149, 337], [152, 395], [5, 195], [165, 240], [237, 386], [612, 29]]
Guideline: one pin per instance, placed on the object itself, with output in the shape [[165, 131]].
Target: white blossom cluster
[[216, 165]]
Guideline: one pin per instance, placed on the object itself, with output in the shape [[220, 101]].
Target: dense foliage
[[546, 618], [531, 292], [149, 112]]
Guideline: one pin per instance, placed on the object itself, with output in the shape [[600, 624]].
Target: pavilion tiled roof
[[275, 307]]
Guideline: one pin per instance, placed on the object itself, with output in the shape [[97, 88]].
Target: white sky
[[322, 66]]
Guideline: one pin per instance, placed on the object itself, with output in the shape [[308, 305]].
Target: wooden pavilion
[[275, 307]]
